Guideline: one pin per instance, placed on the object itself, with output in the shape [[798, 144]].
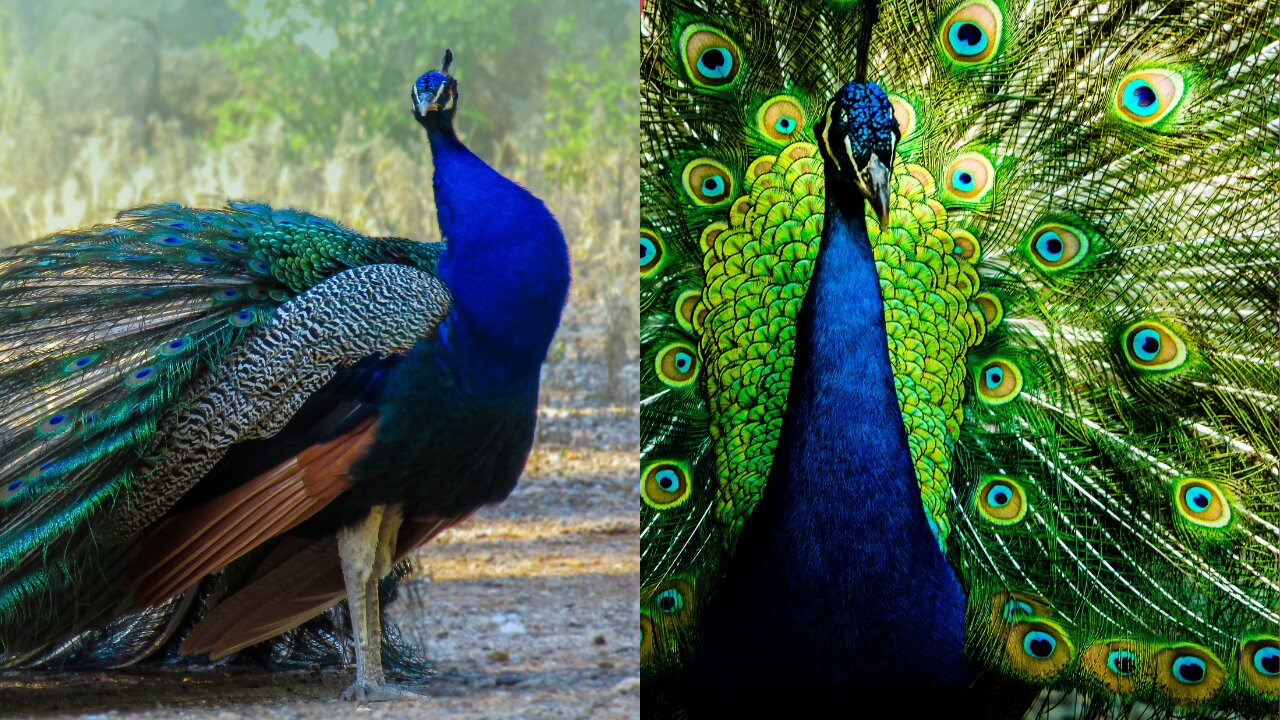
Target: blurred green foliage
[[568, 66]]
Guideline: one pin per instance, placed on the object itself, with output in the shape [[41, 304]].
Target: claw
[[384, 692]]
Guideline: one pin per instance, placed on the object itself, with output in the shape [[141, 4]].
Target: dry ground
[[528, 610]]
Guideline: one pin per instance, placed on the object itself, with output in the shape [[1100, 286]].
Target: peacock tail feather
[[1080, 293], [105, 333]]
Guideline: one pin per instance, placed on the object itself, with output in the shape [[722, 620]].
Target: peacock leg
[[366, 550]]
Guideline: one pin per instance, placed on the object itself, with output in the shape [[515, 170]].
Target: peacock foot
[[380, 692]]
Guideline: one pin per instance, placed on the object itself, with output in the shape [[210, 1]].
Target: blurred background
[[108, 104]]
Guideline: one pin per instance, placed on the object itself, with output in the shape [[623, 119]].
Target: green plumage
[[104, 332], [1079, 275]]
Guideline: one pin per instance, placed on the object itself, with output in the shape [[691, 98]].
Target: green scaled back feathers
[[1080, 288], [102, 331]]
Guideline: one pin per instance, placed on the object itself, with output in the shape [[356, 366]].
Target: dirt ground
[[528, 610]]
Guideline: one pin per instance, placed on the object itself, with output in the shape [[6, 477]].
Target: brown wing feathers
[[299, 580], [188, 546]]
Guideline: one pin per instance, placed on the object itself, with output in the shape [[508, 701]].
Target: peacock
[[959, 357], [266, 392]]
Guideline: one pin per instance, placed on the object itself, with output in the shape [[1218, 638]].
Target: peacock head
[[857, 136], [435, 94]]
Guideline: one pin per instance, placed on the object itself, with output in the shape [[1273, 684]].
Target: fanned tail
[[1081, 295]]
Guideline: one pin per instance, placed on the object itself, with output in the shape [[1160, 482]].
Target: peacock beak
[[873, 181]]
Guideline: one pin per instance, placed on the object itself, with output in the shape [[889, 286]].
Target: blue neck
[[505, 262], [837, 570], [843, 453]]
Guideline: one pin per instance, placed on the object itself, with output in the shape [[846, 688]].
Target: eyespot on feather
[[56, 423], [1001, 500], [140, 377], [651, 252], [780, 119], [1146, 97], [646, 637], [967, 246], [242, 318], [1009, 607], [710, 58], [1149, 345], [664, 484], [1054, 247], [1259, 664], [969, 177], [1037, 650], [1188, 674], [672, 600], [998, 381], [1119, 665], [972, 33], [175, 347], [1201, 502], [80, 363], [677, 365], [707, 182]]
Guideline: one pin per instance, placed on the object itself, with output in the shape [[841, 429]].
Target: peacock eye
[[971, 34], [999, 381], [1201, 502], [650, 251], [710, 57], [707, 182], [715, 63], [1049, 245], [1152, 346], [1145, 97], [677, 364], [1001, 501], [55, 423], [174, 347], [1121, 662], [1055, 247], [969, 177], [168, 240], [140, 377], [673, 599], [79, 363], [1198, 499], [1266, 660], [779, 119], [1189, 669], [665, 484]]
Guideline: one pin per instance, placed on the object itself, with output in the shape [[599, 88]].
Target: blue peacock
[[265, 391], [959, 357]]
